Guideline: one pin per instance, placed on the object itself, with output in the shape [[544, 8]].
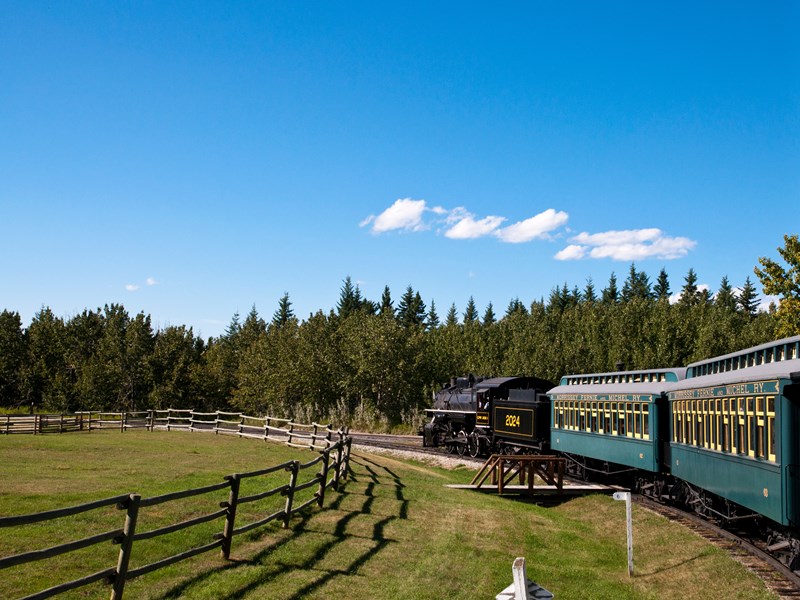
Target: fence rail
[[36, 424], [333, 462], [314, 436]]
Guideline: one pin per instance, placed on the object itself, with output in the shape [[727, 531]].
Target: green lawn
[[395, 531]]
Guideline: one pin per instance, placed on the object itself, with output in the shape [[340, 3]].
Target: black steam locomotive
[[478, 416]]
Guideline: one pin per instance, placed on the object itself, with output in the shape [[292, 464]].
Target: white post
[[520, 579], [626, 496]]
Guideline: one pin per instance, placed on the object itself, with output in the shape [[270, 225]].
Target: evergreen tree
[[516, 306], [661, 287], [748, 298], [488, 316], [411, 309], [636, 286], [470, 313], [560, 299], [451, 320], [690, 295], [610, 293], [284, 313], [433, 318], [234, 327], [349, 298], [575, 296], [725, 298], [387, 306], [589, 294]]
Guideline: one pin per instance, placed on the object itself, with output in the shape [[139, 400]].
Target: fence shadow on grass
[[367, 482]]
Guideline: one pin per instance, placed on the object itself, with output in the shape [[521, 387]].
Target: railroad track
[[777, 576], [409, 443]]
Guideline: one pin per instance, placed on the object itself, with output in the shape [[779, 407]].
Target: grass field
[[395, 531]]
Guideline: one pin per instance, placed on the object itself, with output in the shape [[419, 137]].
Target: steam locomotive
[[479, 416]]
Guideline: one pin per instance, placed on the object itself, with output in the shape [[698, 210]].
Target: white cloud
[[629, 245], [533, 228], [405, 214], [571, 252], [468, 228], [131, 287], [460, 224], [151, 281]]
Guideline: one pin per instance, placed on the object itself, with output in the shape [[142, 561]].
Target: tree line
[[368, 362]]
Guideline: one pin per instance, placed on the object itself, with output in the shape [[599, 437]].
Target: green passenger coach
[[612, 422], [735, 433]]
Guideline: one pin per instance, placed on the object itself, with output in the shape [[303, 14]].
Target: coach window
[[628, 419], [751, 424], [698, 428], [771, 428], [711, 419], [674, 413], [741, 435], [760, 429], [646, 421]]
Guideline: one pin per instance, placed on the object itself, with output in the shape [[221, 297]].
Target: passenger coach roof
[[786, 369], [652, 379], [639, 388], [785, 351]]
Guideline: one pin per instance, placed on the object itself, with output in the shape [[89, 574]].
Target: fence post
[[323, 482], [233, 499], [293, 468], [132, 506], [338, 471], [348, 443]]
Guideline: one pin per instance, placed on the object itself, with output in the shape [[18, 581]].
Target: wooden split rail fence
[[333, 462], [297, 435]]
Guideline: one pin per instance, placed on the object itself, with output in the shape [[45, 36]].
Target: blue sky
[[192, 159]]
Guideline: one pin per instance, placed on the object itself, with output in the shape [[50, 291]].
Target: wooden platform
[[500, 470], [539, 490]]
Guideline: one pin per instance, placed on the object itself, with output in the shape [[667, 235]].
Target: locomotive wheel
[[461, 443], [474, 444]]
